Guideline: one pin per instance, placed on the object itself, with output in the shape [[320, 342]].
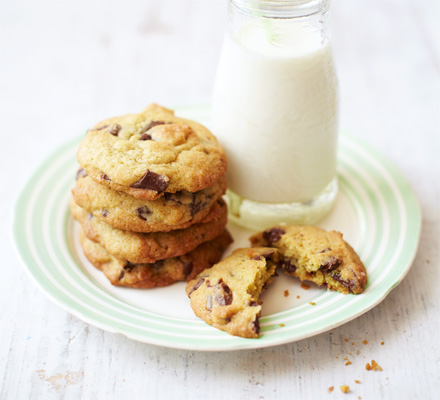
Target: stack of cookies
[[148, 197]]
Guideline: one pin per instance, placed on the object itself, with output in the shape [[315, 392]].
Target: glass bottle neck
[[279, 27], [281, 8]]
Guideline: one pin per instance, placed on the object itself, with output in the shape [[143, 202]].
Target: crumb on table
[[286, 293], [373, 367], [344, 388], [330, 389]]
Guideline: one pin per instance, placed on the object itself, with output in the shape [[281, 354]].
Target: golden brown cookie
[[226, 296], [161, 273], [151, 153], [169, 212], [313, 254], [139, 248]]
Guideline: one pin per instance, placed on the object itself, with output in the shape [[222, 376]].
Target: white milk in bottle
[[275, 111]]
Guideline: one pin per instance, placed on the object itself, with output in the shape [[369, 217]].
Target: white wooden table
[[66, 64]]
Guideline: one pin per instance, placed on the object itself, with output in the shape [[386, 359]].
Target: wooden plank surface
[[65, 64]]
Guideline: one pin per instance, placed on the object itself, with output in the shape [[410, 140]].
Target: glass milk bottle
[[275, 111]]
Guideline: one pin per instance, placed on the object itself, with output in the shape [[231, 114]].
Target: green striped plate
[[375, 209]]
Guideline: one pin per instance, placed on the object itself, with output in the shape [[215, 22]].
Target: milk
[[275, 112]]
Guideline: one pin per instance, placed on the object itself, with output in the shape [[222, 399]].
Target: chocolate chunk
[[121, 275], [81, 173], [256, 326], [104, 213], [222, 294], [114, 130], [90, 216], [196, 286], [129, 266], [331, 264], [257, 257], [273, 235], [143, 212], [152, 124], [187, 268], [325, 250], [152, 181], [209, 303], [158, 264], [196, 205], [105, 177], [254, 303], [288, 266], [145, 136], [350, 285]]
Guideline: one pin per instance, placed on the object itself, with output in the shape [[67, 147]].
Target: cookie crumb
[[373, 367], [286, 293], [346, 340], [281, 325], [312, 303], [305, 286], [364, 342], [348, 362], [330, 389], [344, 388], [352, 343], [298, 297], [382, 343], [357, 381]]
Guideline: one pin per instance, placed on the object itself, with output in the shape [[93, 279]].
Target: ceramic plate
[[375, 209]]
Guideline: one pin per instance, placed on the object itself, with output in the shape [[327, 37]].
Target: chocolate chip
[[254, 303], [90, 216], [143, 212], [152, 124], [105, 177], [288, 266], [81, 173], [187, 268], [256, 326], [348, 284], [273, 235], [121, 275], [325, 250], [145, 136], [196, 286], [152, 181], [222, 294], [129, 266], [158, 264], [209, 303], [104, 213], [257, 257], [196, 206], [331, 264], [114, 130]]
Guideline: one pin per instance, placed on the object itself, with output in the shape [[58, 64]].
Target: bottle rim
[[281, 8]]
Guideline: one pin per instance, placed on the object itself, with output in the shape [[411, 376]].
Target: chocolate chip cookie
[[169, 212], [140, 248], [161, 273], [152, 153], [313, 254], [226, 296]]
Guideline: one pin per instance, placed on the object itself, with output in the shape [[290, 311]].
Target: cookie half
[[137, 247], [169, 212], [151, 153], [313, 254], [161, 273], [226, 296]]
